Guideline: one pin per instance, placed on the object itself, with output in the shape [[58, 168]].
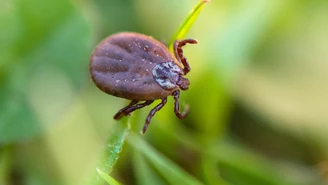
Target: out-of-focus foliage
[[44, 46], [258, 94]]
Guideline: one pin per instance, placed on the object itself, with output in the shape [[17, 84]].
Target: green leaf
[[110, 180], [168, 169], [188, 22]]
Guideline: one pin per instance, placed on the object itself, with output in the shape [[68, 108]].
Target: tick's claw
[[118, 116], [186, 111], [143, 131]]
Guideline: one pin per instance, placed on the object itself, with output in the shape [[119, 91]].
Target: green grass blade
[[251, 168], [168, 169], [245, 163], [114, 146], [187, 23], [110, 180], [145, 175]]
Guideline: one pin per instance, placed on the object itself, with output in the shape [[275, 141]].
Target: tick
[[141, 69]]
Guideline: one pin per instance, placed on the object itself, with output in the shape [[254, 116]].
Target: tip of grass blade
[[187, 23]]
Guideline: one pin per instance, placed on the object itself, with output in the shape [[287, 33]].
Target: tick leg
[[121, 112], [179, 53], [176, 95], [131, 107], [152, 113]]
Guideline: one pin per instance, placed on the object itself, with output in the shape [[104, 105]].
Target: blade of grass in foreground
[[110, 180], [187, 23], [114, 146], [172, 172]]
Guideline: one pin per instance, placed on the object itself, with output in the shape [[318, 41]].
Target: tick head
[[169, 76], [183, 83]]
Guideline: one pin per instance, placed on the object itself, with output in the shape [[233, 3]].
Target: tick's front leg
[[179, 53], [176, 95]]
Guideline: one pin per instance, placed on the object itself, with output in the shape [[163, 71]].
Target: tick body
[[141, 69]]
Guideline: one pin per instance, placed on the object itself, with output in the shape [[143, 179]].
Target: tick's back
[[122, 65]]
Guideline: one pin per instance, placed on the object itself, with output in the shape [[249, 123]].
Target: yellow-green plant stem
[[187, 23]]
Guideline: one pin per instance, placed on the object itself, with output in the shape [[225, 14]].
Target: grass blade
[[168, 169], [145, 175], [252, 169], [187, 23], [110, 180], [113, 149], [115, 145]]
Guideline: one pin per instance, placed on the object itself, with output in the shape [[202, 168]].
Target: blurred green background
[[258, 93]]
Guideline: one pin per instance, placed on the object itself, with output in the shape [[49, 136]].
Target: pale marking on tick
[[166, 74]]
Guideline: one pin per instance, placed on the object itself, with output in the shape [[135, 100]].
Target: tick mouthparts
[[183, 83]]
